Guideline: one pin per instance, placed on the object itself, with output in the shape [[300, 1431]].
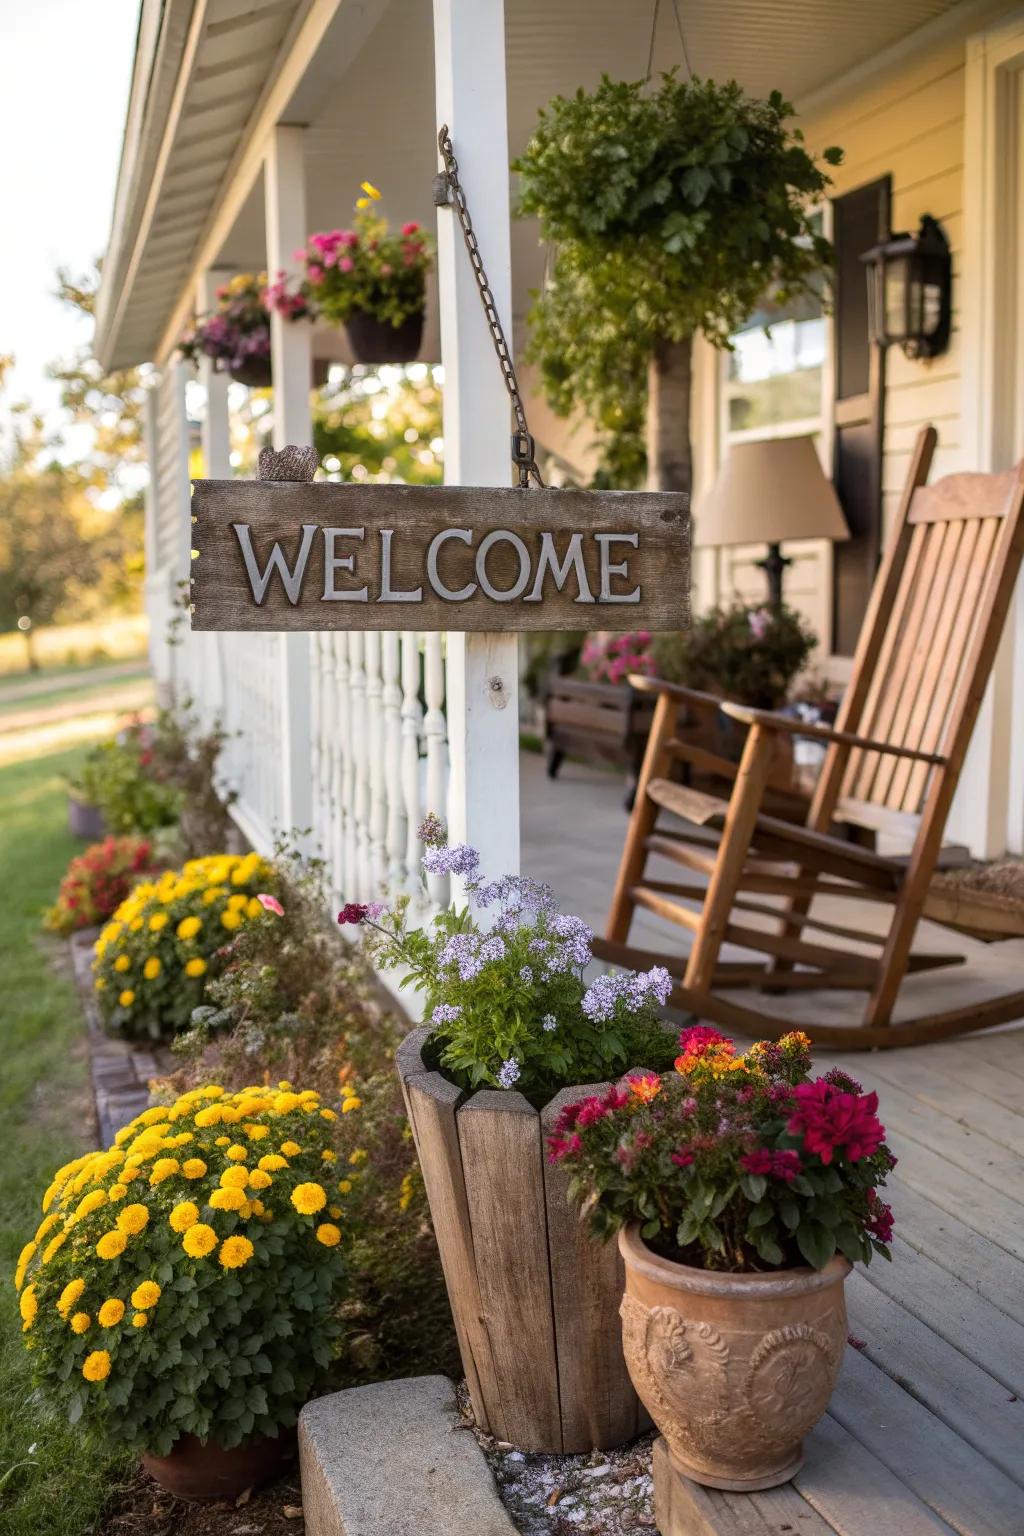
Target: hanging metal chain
[[523, 447]]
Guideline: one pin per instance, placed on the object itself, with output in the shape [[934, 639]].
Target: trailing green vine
[[670, 212]]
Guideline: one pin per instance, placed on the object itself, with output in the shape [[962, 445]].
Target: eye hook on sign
[[448, 190]]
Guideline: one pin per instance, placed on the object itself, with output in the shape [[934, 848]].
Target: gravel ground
[[607, 1493]]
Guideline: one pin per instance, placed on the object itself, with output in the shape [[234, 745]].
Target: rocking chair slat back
[[948, 564]]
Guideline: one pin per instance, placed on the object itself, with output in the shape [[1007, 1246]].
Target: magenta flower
[[832, 1120], [270, 903]]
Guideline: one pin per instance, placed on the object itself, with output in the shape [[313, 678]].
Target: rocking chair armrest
[[770, 720], [692, 696]]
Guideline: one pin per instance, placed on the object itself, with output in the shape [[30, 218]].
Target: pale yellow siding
[[911, 127]]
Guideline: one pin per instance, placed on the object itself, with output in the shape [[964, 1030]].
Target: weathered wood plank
[[954, 1311], [436, 557], [499, 1134], [965, 1067], [685, 1508], [986, 1268], [855, 1492], [431, 1103], [1003, 1049], [992, 1213], [967, 1149], [598, 1405], [917, 1076], [952, 1478], [956, 1390]]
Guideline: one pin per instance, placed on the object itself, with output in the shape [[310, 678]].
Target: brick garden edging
[[120, 1070]]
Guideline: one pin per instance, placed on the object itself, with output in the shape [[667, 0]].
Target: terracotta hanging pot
[[377, 341], [197, 1470], [734, 1369], [255, 372]]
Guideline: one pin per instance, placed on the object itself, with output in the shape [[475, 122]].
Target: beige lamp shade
[[770, 491]]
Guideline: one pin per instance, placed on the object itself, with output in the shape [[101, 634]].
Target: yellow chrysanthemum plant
[[153, 959], [187, 1279]]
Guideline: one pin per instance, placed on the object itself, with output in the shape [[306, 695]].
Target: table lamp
[[766, 492]]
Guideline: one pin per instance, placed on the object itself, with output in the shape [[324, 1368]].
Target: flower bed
[[97, 882], [184, 1280], [153, 958]]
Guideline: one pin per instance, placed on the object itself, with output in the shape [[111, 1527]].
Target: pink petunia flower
[[270, 903]]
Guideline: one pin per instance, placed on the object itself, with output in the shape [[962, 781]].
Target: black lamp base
[[773, 565]]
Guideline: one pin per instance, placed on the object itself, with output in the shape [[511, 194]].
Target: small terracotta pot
[[377, 341], [734, 1369], [84, 820], [194, 1470]]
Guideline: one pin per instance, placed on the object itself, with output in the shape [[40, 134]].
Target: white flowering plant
[[504, 987]]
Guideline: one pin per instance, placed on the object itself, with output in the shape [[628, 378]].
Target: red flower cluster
[[352, 912], [97, 882], [879, 1222], [784, 1164], [829, 1118]]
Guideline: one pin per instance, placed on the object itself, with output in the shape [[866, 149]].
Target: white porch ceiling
[[372, 115]]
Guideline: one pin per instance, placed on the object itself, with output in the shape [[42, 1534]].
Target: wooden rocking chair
[[892, 764]]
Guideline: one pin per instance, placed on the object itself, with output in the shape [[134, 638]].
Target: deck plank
[[965, 1066], [954, 1312], [958, 1248], [969, 1150], [956, 1390], [1002, 1049], [993, 1214], [955, 1099], [856, 1493], [952, 1478]]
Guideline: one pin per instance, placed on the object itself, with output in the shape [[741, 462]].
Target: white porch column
[[216, 429], [483, 706], [291, 359]]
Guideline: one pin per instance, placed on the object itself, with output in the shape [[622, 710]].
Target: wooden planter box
[[534, 1298]]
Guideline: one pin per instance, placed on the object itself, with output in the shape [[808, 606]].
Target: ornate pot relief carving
[[734, 1369]]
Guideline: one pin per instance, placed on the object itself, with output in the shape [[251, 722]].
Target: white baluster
[[412, 722], [363, 881], [315, 739], [346, 732], [392, 702], [435, 731], [328, 747], [377, 769], [339, 694]]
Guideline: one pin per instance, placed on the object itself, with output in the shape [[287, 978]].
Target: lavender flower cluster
[[634, 989]]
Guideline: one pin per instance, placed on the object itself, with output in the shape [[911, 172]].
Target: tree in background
[[46, 559], [382, 424], [670, 211]]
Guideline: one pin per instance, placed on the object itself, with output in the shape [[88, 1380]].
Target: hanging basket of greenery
[[671, 211], [366, 279]]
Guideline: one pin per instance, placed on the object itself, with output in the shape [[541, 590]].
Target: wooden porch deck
[[925, 1432]]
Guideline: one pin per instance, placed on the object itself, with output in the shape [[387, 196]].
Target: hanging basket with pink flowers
[[366, 279], [237, 334]]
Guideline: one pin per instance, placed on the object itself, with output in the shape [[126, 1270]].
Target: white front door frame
[[988, 813]]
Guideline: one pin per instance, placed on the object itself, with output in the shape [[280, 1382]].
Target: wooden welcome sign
[[311, 555]]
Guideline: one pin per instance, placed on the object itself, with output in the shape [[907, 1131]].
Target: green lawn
[[51, 1480]]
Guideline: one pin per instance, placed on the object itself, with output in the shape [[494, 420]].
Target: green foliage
[[381, 425], [53, 1477], [171, 932], [737, 1162], [670, 212], [114, 779], [294, 1002], [504, 989], [184, 1280], [747, 652]]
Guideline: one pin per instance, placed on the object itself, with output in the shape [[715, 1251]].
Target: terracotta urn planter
[[197, 1470], [734, 1369], [377, 341], [535, 1300]]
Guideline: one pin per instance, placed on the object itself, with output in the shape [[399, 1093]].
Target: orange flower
[[646, 1087]]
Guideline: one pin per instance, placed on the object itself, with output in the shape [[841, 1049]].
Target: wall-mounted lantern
[[909, 291]]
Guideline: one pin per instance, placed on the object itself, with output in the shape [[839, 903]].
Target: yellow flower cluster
[[165, 934], [188, 1179]]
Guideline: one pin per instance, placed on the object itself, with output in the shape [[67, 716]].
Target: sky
[[64, 77]]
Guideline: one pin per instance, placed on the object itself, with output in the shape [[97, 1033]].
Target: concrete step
[[393, 1459]]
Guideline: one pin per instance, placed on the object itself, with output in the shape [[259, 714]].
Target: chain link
[[523, 447]]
